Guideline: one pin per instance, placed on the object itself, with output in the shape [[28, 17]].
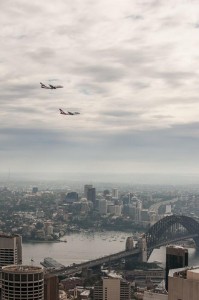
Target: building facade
[[10, 249], [86, 188], [22, 283], [112, 287], [51, 287], [176, 257], [184, 284]]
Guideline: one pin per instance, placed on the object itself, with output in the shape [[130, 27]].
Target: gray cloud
[[102, 73], [130, 69]]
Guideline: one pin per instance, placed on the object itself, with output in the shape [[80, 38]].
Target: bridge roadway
[[70, 270]]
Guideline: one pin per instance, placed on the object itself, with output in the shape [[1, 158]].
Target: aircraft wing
[[43, 86], [52, 86], [62, 112]]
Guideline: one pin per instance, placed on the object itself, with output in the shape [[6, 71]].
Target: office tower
[[115, 193], [34, 190], [91, 195], [184, 284], [71, 197], [51, 287], [112, 288], [176, 257], [10, 249], [135, 209], [103, 206], [22, 283], [86, 188]]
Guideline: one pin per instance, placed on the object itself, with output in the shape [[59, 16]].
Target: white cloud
[[127, 66]]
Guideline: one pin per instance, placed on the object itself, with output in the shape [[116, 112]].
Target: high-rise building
[[34, 190], [10, 249], [22, 283], [176, 257], [86, 188], [183, 284], [71, 197], [115, 193], [113, 287], [91, 195], [103, 206], [51, 287]]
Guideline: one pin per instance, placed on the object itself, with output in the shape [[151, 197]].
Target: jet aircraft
[[68, 112], [50, 86]]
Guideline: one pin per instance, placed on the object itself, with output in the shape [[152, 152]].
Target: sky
[[129, 67]]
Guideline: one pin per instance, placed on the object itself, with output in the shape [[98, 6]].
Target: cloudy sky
[[130, 67]]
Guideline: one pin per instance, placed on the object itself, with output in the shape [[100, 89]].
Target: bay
[[81, 247]]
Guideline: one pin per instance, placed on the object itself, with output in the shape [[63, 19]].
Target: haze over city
[[129, 67]]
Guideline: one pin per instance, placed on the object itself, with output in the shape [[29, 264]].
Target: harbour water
[[79, 247], [82, 247]]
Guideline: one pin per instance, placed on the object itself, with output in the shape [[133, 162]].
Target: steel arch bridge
[[171, 228]]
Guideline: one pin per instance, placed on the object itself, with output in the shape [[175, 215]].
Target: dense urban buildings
[[48, 214]]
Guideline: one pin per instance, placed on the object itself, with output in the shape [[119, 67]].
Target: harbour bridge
[[167, 230]]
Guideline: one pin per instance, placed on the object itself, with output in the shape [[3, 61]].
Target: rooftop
[[22, 269]]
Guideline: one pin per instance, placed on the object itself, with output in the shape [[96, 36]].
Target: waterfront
[[79, 247], [82, 247]]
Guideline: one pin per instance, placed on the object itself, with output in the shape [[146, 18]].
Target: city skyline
[[130, 70]]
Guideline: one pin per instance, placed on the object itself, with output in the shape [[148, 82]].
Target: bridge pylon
[[142, 245], [129, 243]]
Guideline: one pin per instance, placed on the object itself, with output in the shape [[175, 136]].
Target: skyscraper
[[86, 188], [176, 257], [91, 195], [115, 193], [22, 283], [10, 249]]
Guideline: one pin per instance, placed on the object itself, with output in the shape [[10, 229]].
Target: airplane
[[51, 87], [68, 112]]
